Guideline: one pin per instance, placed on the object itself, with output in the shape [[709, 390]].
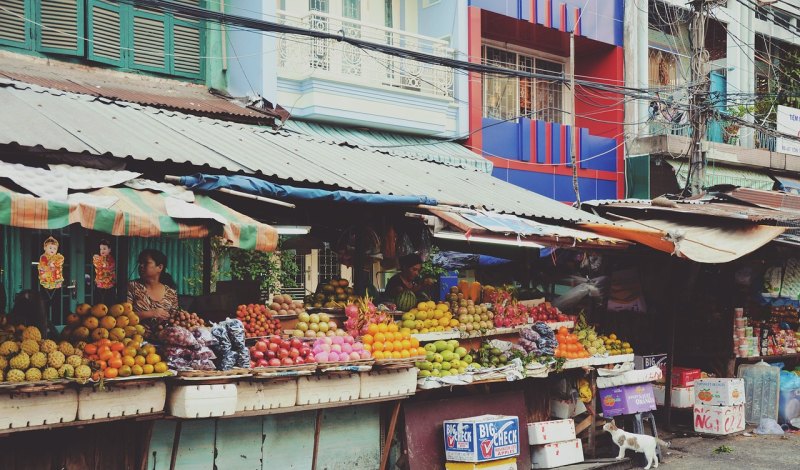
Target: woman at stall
[[408, 277], [153, 295]]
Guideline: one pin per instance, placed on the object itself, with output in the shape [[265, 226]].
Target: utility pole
[[574, 140], [699, 96]]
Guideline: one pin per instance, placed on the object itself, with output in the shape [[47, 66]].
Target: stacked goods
[[568, 345], [283, 304], [183, 319], [93, 323], [488, 356], [615, 346], [111, 359], [469, 296], [719, 405], [339, 349], [554, 444], [187, 350], [386, 342], [427, 317], [361, 313], [600, 345], [538, 340], [474, 317], [32, 358], [259, 320], [443, 358], [230, 349], [510, 315], [276, 351], [316, 325], [335, 293]]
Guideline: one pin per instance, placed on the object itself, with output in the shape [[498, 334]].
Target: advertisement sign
[[481, 438], [788, 123]]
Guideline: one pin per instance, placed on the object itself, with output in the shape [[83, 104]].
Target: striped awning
[[134, 213]]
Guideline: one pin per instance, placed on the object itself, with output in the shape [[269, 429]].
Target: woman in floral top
[[153, 295]]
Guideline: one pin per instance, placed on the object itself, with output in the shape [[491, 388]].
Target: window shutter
[[105, 33], [149, 42], [13, 27], [61, 29], [187, 44]]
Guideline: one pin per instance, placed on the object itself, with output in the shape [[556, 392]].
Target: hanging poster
[[51, 265]]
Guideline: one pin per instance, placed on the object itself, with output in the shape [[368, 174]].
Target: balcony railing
[[302, 57]]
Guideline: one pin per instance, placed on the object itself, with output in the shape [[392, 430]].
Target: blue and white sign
[[788, 123], [481, 438]]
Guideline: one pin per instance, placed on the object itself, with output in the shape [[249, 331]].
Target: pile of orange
[[111, 359], [385, 341], [568, 345]]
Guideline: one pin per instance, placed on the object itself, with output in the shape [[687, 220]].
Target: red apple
[[287, 362], [257, 355], [294, 353], [283, 353], [273, 347], [263, 363], [274, 362], [299, 360], [261, 346], [271, 354], [296, 343]]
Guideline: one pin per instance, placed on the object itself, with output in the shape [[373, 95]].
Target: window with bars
[[328, 265], [507, 98], [109, 32]]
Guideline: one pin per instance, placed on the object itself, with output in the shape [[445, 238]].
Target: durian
[[55, 359], [15, 375], [8, 348], [50, 374], [29, 346], [21, 361], [33, 333], [48, 346], [33, 375], [38, 360]]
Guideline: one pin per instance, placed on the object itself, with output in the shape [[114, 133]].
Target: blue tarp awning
[[250, 185]]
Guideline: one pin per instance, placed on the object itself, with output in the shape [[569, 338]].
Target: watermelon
[[406, 300]]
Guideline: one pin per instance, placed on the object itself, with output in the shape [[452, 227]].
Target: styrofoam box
[[505, 464], [545, 432], [564, 409], [682, 397], [328, 388], [722, 392], [35, 409], [266, 395], [145, 397], [720, 420], [557, 454], [203, 401], [388, 382]]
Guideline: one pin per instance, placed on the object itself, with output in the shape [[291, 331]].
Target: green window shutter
[[187, 44], [150, 37], [61, 27], [14, 29], [105, 32]]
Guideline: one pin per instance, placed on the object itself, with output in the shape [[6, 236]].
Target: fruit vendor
[[153, 295], [408, 277]]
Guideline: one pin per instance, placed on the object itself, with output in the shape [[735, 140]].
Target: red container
[[684, 377]]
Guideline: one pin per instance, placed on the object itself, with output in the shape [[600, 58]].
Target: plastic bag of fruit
[[177, 352], [204, 337], [178, 336], [179, 363], [203, 354], [226, 359], [236, 334], [203, 364], [242, 358]]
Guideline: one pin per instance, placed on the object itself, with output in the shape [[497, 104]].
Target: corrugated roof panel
[[35, 116], [718, 174]]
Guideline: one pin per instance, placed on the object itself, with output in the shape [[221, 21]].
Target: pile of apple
[[258, 320], [339, 349], [547, 313], [276, 351], [316, 325]]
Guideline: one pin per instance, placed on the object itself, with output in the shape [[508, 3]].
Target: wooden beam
[[176, 440], [387, 446], [317, 429]]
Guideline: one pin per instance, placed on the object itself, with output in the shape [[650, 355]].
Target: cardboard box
[[565, 409], [720, 420], [545, 432], [650, 360], [557, 454], [721, 392], [626, 400], [685, 377], [682, 397], [504, 464], [481, 438]]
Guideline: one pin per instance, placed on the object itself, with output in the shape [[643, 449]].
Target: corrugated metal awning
[[441, 151], [54, 120], [718, 175]]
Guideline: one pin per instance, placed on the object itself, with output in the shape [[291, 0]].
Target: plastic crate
[[388, 382], [22, 410], [328, 388], [266, 395], [203, 401], [130, 400]]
